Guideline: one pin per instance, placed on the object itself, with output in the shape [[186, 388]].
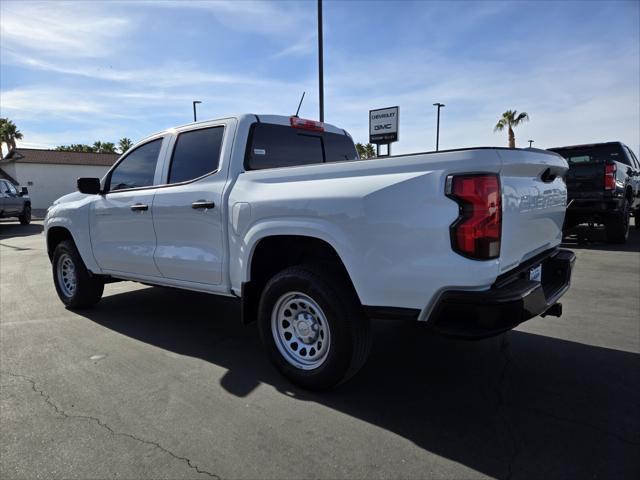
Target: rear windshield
[[272, 146], [593, 153]]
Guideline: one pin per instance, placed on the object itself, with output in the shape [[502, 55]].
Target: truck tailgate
[[534, 201], [585, 178]]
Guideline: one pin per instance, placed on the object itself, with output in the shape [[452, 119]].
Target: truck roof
[[586, 145], [250, 118]]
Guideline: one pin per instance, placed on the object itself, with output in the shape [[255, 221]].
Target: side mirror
[[90, 186], [24, 192]]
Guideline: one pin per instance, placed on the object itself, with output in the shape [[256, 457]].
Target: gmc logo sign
[[386, 126]]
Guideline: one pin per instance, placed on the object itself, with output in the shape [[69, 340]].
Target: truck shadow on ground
[[520, 405], [585, 238], [13, 228]]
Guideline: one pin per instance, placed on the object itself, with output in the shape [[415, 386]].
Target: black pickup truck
[[603, 184], [14, 202]]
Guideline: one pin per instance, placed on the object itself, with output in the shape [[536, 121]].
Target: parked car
[[14, 202], [280, 213], [603, 184]]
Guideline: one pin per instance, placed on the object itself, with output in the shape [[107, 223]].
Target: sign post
[[383, 127]]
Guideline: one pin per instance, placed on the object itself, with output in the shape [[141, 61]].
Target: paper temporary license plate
[[535, 273]]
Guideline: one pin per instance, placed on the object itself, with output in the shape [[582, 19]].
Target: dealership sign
[[383, 125]]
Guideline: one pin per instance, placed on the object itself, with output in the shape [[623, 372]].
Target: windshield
[[592, 153]]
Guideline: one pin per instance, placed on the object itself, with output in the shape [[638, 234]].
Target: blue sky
[[76, 72]]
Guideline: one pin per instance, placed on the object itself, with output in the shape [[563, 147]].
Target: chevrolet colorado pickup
[[603, 187], [281, 213]]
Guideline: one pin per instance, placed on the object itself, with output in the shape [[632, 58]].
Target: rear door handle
[[139, 207], [203, 204]]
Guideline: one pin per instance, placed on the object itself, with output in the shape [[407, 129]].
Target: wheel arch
[[273, 253], [55, 235]]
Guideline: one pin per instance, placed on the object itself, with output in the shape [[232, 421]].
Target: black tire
[[350, 331], [87, 289], [25, 218], [617, 229]]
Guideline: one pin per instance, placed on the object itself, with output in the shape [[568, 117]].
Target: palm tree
[[365, 151], [511, 119], [3, 136], [9, 133], [370, 150], [107, 147], [125, 144]]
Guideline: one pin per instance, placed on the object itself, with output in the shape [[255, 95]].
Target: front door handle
[[203, 204], [139, 207]]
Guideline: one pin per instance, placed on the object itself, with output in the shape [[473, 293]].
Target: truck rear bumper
[[596, 211], [512, 299]]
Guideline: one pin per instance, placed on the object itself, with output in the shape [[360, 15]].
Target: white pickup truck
[[281, 213]]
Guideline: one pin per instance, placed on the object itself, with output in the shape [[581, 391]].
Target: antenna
[[300, 104]]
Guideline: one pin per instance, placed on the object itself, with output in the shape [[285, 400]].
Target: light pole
[[320, 63], [439, 105], [530, 142], [195, 119]]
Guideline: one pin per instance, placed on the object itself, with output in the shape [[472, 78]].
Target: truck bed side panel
[[387, 219]]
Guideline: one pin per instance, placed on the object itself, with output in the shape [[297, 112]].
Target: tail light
[[305, 124], [477, 231], [609, 176]]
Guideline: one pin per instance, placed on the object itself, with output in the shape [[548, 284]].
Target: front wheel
[[25, 217], [75, 286], [313, 327]]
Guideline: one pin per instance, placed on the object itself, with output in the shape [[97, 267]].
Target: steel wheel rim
[[300, 330], [66, 272]]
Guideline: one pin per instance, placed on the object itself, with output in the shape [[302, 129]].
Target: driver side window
[[137, 169]]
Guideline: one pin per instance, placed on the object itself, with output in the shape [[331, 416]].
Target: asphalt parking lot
[[157, 383]]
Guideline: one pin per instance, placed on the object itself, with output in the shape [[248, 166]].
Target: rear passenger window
[[196, 153], [634, 159], [273, 146]]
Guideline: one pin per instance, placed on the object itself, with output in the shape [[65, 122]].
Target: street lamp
[[194, 109], [320, 63], [530, 142], [439, 105]]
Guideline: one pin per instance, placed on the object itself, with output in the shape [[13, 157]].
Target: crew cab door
[[188, 211], [121, 220]]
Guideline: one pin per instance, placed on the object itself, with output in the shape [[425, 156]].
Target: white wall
[[50, 181]]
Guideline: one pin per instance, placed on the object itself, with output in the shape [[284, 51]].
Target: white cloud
[[261, 17], [67, 29], [305, 46]]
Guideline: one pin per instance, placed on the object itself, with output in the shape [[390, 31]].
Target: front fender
[[76, 222]]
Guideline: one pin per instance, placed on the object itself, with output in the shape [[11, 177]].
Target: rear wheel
[[313, 327], [618, 229], [25, 217], [75, 286]]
